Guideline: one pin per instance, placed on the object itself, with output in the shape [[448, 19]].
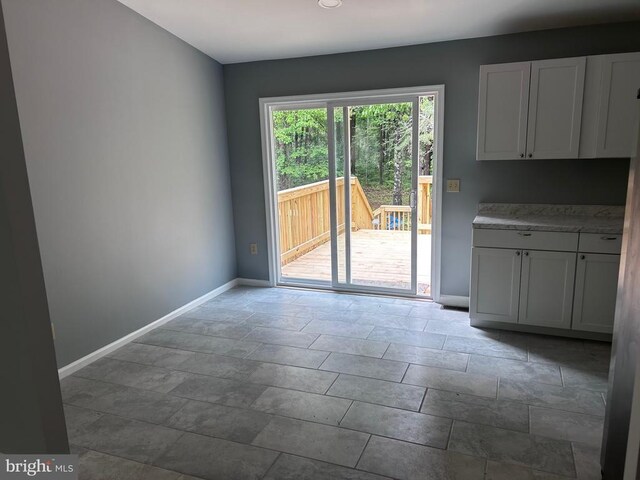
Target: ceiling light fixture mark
[[330, 3]]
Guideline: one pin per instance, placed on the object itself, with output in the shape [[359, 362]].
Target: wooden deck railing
[[398, 217], [303, 215], [425, 203], [392, 217]]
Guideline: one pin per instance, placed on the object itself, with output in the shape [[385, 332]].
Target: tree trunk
[[381, 160], [425, 163], [397, 170], [352, 136]]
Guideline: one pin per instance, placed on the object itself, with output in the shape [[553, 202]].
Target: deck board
[[378, 258]]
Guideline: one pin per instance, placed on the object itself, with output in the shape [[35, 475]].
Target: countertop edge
[[568, 229]]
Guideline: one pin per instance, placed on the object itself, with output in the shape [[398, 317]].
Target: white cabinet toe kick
[[560, 283]]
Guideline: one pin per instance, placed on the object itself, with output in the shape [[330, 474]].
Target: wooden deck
[[380, 258]]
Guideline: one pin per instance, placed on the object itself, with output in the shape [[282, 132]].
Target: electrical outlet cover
[[453, 185]]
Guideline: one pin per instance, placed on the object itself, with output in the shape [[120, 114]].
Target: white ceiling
[[234, 31]]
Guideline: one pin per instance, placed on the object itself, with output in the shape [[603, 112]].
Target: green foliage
[[380, 147], [301, 146]]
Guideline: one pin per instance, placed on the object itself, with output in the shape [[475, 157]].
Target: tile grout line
[[424, 329], [155, 459], [385, 350], [453, 422], [573, 457], [259, 345], [266, 473], [562, 377], [424, 397], [345, 413], [405, 372], [334, 381], [362, 452]]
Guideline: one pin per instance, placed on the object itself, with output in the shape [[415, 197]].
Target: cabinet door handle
[[608, 238], [583, 257], [523, 234], [526, 254], [517, 253], [522, 155], [531, 155]]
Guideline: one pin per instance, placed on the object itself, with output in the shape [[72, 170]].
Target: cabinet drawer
[[600, 243], [533, 240]]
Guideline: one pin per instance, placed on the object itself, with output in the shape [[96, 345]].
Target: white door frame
[[269, 104]]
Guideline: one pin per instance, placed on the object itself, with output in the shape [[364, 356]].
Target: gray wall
[[125, 143], [31, 418], [454, 64]]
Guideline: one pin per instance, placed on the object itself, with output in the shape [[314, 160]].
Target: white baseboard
[[252, 282], [454, 301], [92, 357], [447, 300]]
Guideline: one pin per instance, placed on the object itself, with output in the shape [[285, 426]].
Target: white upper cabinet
[[580, 107], [618, 114], [609, 115], [530, 109], [502, 111], [555, 108]]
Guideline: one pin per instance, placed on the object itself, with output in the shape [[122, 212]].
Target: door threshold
[[328, 289]]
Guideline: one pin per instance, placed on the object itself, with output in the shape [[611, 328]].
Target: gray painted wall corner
[[31, 404], [125, 142]]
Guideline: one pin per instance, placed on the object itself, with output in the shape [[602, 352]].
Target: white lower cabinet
[[595, 293], [495, 284], [547, 288], [554, 286]]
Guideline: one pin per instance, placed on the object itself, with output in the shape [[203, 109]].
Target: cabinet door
[[618, 113], [502, 111], [546, 289], [555, 108], [595, 297], [495, 284]]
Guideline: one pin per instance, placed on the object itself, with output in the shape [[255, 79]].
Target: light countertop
[[550, 218]]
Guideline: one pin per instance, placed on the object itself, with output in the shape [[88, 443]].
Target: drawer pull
[[523, 234], [583, 257], [608, 238], [526, 254], [517, 254]]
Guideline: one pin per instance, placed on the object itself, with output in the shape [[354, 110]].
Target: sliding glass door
[[352, 192], [373, 165], [302, 184]]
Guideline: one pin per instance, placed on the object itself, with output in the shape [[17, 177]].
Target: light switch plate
[[453, 185], [253, 248]]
